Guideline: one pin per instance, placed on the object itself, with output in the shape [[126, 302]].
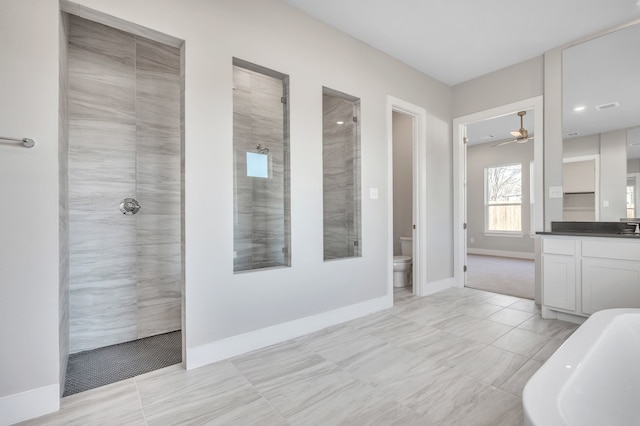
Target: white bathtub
[[593, 378]]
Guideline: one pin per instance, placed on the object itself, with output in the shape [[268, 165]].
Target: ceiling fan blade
[[524, 140], [504, 143], [516, 134]]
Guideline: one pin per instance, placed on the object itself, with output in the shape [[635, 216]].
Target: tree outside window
[[504, 198]]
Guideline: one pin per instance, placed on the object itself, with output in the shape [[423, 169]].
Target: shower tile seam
[[144, 414]]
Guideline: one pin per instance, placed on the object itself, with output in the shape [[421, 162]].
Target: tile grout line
[[144, 416], [253, 386]]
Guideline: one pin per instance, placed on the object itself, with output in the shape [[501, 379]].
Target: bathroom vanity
[[588, 267]]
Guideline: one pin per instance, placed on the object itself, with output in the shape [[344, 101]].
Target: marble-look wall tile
[[262, 228], [63, 201], [159, 288], [102, 299], [341, 178], [124, 141], [158, 177]]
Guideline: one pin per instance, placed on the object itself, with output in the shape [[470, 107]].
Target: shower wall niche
[[125, 141], [261, 172], [341, 175]]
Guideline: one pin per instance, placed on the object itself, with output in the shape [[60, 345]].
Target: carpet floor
[[102, 366], [513, 277]]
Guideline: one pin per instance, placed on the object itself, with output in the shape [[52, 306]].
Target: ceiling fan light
[[516, 134]]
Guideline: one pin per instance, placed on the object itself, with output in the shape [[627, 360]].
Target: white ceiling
[[457, 40], [498, 127]]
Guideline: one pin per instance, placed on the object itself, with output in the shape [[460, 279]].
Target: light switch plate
[[555, 192], [373, 193]]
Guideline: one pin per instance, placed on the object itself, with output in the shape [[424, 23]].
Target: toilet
[[402, 264]]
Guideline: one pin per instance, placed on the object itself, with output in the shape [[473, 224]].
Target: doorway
[[402, 201], [407, 121], [470, 191], [123, 170]]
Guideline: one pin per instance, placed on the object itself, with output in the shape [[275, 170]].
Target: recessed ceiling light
[[339, 122], [571, 135], [579, 108], [487, 137]]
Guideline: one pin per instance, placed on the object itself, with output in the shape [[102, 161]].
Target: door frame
[[460, 169], [419, 266]]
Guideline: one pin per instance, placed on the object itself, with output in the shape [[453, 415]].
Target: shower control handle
[[129, 206]]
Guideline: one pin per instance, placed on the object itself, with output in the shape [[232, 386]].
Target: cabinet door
[[609, 284], [559, 281]]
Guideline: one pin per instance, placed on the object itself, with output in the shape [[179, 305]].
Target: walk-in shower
[[124, 175], [262, 207], [341, 175]]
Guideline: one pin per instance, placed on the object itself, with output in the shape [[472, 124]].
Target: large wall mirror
[[601, 127]]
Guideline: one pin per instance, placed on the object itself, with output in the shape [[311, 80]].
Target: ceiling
[[458, 40], [496, 130]]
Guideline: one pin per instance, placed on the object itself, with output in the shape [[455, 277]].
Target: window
[[503, 195], [257, 165]]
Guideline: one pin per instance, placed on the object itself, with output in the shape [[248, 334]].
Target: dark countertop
[[594, 229], [590, 234]]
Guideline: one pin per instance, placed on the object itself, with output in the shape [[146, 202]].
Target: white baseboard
[[501, 253], [436, 286], [30, 404], [236, 345]]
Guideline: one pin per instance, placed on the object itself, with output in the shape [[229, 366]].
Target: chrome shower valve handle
[[129, 206]]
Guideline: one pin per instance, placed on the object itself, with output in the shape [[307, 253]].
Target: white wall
[[402, 178], [580, 146], [29, 356], [520, 81], [613, 175], [219, 304]]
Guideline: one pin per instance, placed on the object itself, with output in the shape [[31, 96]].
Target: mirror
[[601, 127]]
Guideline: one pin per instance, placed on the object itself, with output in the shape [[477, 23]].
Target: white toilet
[[402, 264]]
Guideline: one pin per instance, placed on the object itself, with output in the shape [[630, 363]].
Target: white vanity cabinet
[[610, 274], [559, 274], [583, 275]]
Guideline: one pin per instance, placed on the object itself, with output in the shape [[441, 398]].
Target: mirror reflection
[[601, 127]]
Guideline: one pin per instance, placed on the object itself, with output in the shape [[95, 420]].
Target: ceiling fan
[[521, 135]]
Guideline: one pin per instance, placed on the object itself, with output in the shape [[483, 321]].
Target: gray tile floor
[[458, 357]]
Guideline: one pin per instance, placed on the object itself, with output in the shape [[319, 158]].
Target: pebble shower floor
[[102, 366]]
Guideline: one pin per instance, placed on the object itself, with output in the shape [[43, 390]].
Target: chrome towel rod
[[27, 142]]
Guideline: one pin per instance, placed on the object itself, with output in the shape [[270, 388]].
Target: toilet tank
[[406, 246]]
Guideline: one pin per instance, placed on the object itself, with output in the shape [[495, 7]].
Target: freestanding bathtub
[[593, 378]]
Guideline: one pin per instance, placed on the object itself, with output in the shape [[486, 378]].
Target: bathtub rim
[[543, 392]]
